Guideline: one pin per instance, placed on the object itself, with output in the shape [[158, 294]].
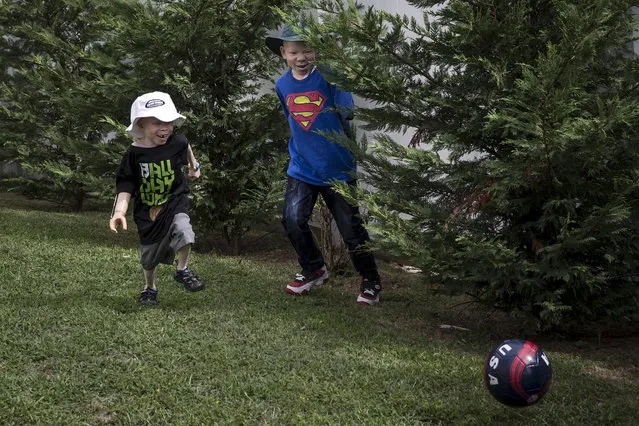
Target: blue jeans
[[299, 201]]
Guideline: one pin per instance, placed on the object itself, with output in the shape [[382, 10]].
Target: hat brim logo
[[153, 103]]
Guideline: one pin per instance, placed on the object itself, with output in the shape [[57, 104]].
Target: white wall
[[394, 6], [400, 7]]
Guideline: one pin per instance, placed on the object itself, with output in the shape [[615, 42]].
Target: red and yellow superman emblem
[[305, 107]]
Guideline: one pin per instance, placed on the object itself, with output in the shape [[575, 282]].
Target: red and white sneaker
[[370, 292], [307, 279]]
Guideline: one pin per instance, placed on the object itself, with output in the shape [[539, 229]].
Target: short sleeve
[[125, 180], [183, 145], [344, 103], [343, 100], [282, 101]]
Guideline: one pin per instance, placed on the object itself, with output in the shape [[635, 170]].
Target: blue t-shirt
[[310, 105]]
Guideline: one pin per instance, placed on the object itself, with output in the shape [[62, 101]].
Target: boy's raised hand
[[117, 219]]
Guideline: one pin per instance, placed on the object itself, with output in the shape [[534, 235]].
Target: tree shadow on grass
[[410, 314], [22, 202], [332, 326], [64, 227]]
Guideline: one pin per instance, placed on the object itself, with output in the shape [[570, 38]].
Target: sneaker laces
[[370, 286], [187, 274], [306, 275], [369, 291]]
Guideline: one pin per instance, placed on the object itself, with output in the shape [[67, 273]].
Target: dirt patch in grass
[[102, 416], [625, 376]]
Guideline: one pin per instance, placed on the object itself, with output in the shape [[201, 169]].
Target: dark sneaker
[[148, 297], [189, 279], [370, 291], [307, 279]]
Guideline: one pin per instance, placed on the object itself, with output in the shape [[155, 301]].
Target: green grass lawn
[[76, 348]]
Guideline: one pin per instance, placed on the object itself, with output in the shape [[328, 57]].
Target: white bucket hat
[[154, 104]]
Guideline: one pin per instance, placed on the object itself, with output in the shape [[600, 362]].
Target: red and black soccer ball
[[517, 373]]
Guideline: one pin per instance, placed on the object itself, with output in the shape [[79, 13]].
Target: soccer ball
[[517, 373]]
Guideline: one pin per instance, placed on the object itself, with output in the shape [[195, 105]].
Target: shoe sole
[[305, 289], [361, 300], [193, 290]]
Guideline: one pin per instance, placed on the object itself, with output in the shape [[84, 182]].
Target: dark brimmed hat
[[288, 34]]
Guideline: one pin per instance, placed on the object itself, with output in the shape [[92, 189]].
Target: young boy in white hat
[[151, 173]]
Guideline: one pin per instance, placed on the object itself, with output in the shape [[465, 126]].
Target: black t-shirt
[[154, 178]]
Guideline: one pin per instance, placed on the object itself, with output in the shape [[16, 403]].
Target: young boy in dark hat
[[151, 173], [311, 105]]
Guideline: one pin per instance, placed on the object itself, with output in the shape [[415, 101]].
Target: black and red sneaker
[[307, 279], [369, 294]]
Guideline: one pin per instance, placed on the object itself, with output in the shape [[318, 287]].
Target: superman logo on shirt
[[304, 107]]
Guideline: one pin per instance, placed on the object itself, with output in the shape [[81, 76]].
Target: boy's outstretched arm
[[120, 206], [194, 166]]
